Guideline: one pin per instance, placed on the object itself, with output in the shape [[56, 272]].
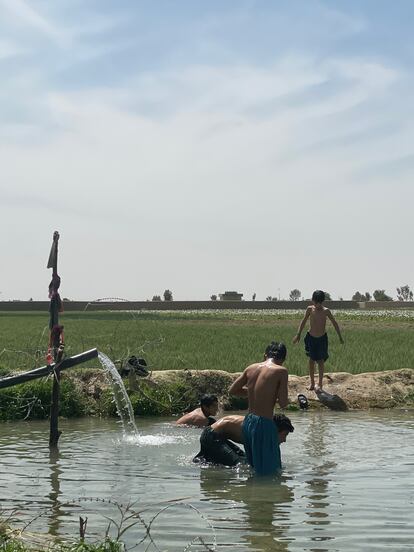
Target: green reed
[[223, 340]]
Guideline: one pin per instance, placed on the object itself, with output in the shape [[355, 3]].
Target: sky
[[248, 145]]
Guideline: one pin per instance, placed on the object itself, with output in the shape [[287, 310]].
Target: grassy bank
[[224, 340], [195, 341]]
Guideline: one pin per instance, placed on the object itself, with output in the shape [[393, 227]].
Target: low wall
[[19, 306], [387, 305]]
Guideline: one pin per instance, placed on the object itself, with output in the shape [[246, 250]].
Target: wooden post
[[54, 410], [55, 351]]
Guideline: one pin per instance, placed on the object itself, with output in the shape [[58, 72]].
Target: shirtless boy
[[217, 444], [316, 339], [264, 384], [203, 415]]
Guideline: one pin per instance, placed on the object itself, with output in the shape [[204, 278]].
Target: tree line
[[404, 293]]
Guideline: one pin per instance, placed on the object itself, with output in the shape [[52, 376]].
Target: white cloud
[[25, 14], [9, 49], [191, 166], [210, 166]]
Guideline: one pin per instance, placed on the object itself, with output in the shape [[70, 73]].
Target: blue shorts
[[261, 443]]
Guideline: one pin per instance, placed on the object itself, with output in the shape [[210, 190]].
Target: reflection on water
[[347, 484], [317, 492], [262, 507], [54, 494]]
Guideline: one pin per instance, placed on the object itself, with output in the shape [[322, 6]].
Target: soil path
[[394, 388]]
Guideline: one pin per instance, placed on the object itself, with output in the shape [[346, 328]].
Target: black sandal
[[303, 401]]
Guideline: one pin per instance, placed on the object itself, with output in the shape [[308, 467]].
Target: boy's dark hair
[[276, 350], [208, 400], [283, 423], [318, 296]]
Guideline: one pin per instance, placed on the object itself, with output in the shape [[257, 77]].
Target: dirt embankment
[[389, 389]]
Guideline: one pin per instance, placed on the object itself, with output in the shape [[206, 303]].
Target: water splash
[[122, 402], [156, 440]]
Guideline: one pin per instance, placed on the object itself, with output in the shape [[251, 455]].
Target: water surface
[[348, 484]]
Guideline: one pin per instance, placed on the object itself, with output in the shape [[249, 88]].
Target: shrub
[[165, 399], [32, 400]]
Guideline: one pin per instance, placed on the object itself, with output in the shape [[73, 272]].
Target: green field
[[197, 340]]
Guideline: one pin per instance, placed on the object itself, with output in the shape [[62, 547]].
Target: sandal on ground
[[303, 401]]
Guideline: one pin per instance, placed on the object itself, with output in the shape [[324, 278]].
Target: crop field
[[196, 340]]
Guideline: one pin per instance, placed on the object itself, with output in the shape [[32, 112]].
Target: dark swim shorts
[[316, 348], [217, 450]]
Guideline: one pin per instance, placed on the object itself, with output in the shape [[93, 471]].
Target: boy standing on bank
[[316, 339]]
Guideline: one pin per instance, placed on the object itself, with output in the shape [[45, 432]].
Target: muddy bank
[[391, 389]]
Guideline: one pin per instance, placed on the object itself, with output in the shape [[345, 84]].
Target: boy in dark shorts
[[316, 339], [218, 446]]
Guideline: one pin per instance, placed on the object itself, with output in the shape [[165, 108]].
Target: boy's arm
[[282, 395], [302, 325], [334, 324], [238, 386]]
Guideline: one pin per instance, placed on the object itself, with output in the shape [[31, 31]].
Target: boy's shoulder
[[320, 310], [253, 368], [326, 312]]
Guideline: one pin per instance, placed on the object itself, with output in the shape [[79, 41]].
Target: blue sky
[[203, 146]]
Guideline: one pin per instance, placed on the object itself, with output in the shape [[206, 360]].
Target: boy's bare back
[[317, 319], [317, 314], [266, 384]]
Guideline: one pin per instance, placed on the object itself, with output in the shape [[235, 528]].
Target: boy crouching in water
[[316, 339]]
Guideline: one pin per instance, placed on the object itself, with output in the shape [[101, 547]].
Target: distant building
[[231, 296]]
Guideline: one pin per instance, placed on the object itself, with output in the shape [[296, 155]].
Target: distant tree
[[156, 298], [404, 293], [168, 295], [31, 299], [327, 296], [254, 297], [295, 295], [213, 297], [361, 297], [380, 295], [269, 298]]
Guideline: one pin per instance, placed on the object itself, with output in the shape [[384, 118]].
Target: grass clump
[[167, 399], [31, 400], [14, 545]]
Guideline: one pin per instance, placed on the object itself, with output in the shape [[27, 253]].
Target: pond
[[348, 484]]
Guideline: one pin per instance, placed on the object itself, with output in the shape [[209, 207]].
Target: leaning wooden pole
[[68, 362], [56, 342]]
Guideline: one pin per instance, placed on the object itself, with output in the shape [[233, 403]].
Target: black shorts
[[217, 450], [316, 348]]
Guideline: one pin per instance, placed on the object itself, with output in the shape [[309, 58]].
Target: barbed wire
[[129, 518]]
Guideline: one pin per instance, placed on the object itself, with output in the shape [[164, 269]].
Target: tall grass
[[224, 340]]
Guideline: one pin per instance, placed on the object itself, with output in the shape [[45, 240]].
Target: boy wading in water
[[316, 339], [263, 383]]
